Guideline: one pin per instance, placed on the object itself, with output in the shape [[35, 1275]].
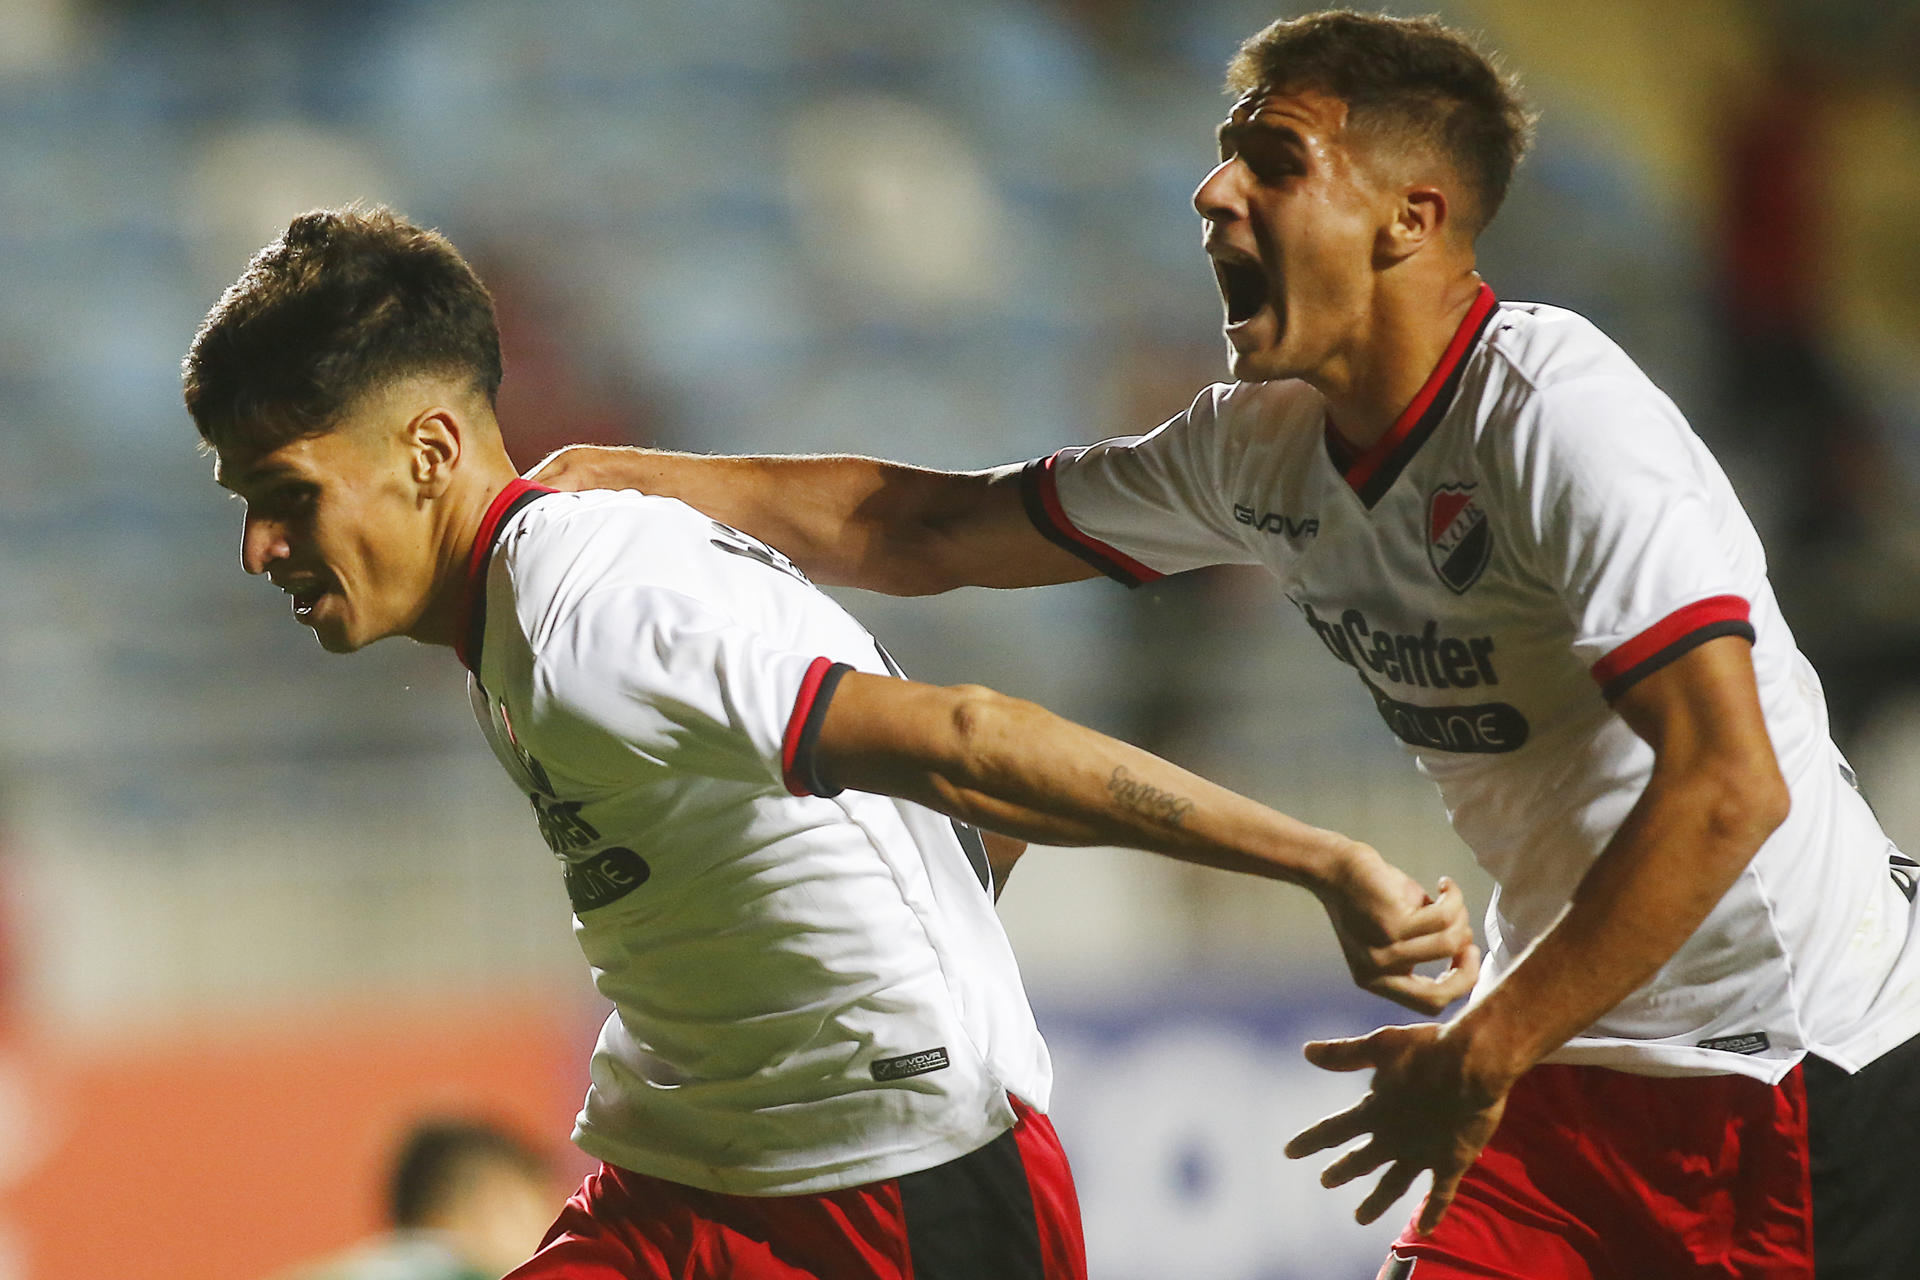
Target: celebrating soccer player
[[1693, 1049], [820, 1062]]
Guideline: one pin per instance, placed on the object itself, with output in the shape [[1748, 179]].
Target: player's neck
[[461, 512], [1371, 384]]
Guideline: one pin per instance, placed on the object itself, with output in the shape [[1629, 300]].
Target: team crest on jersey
[[1459, 540]]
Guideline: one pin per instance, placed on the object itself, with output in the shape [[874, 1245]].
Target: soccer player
[[1692, 1051], [820, 1062], [465, 1201]]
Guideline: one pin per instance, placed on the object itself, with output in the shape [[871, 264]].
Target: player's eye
[[1269, 160], [291, 499], [1233, 139]]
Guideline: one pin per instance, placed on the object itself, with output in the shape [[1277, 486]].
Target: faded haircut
[[344, 301], [1408, 81]]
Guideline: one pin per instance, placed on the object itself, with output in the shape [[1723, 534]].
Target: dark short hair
[[437, 1159], [1408, 80], [344, 301]]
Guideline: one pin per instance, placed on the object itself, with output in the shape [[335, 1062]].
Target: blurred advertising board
[[1174, 1107], [228, 1151]]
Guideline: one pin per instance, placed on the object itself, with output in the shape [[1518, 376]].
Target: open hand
[[1387, 924], [1423, 1112]]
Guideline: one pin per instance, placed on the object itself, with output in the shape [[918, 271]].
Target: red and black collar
[[1372, 472], [505, 505]]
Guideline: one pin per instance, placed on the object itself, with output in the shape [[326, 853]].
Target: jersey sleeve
[[1620, 513], [1140, 507], [660, 679]]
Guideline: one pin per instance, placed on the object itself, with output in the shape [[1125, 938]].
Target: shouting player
[[820, 1062], [1692, 1051]]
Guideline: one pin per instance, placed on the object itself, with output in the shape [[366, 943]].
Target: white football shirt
[[1539, 530], [811, 990]]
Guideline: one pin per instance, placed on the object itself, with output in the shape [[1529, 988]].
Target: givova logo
[[1277, 522], [1459, 539]]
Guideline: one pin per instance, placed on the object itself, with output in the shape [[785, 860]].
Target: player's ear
[[434, 440], [1419, 217]]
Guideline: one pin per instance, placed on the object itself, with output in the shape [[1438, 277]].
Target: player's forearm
[[1014, 767], [846, 521], [1681, 848]]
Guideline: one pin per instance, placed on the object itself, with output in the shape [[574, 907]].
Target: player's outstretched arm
[[1714, 797], [1014, 767], [846, 521]]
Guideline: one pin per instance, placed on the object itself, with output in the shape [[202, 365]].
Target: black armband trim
[[1041, 498], [800, 768], [1640, 670]]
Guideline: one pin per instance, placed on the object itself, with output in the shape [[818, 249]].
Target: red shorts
[[1007, 1211], [1600, 1175]]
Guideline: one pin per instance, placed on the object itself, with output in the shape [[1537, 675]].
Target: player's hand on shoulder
[[1387, 924], [1427, 1110], [578, 466]]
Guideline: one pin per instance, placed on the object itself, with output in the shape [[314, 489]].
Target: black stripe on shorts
[[1863, 1133], [972, 1218]]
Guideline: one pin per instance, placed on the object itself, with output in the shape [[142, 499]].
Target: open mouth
[[307, 594], [1244, 286]]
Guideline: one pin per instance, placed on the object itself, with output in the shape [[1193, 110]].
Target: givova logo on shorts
[[1459, 539]]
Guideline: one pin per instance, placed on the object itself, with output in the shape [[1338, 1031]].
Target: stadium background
[[259, 907]]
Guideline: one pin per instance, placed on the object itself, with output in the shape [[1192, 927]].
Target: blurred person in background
[[465, 1201], [821, 1061], [1838, 483], [1703, 982]]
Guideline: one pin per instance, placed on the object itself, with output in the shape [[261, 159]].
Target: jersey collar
[[505, 505], [1373, 472]]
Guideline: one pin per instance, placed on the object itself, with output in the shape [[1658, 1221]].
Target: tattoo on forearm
[[1147, 800]]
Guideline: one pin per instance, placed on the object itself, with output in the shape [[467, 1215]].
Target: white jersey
[[811, 990], [1537, 532]]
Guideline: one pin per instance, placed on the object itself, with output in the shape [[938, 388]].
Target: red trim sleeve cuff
[[1040, 494], [799, 768], [1680, 632]]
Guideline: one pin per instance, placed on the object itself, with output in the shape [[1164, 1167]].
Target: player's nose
[[263, 544], [1217, 196]]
